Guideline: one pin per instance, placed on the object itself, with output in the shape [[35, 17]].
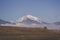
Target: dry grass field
[[25, 33]]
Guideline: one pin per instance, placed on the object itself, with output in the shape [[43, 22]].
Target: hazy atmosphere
[[29, 19], [48, 10]]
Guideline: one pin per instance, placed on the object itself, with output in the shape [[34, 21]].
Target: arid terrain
[[26, 33]]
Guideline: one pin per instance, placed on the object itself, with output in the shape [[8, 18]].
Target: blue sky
[[48, 10]]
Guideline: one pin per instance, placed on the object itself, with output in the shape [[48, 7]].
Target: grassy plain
[[26, 33]]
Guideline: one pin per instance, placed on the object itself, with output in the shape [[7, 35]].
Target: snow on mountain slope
[[31, 20], [4, 22], [28, 17]]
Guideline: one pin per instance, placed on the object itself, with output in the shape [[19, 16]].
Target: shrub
[[45, 27]]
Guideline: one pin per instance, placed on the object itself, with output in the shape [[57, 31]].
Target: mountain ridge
[[32, 21], [4, 22]]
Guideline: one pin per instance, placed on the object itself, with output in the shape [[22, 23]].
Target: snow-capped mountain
[[31, 20], [4, 22], [28, 17]]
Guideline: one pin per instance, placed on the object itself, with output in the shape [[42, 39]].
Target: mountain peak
[[32, 17], [28, 17]]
